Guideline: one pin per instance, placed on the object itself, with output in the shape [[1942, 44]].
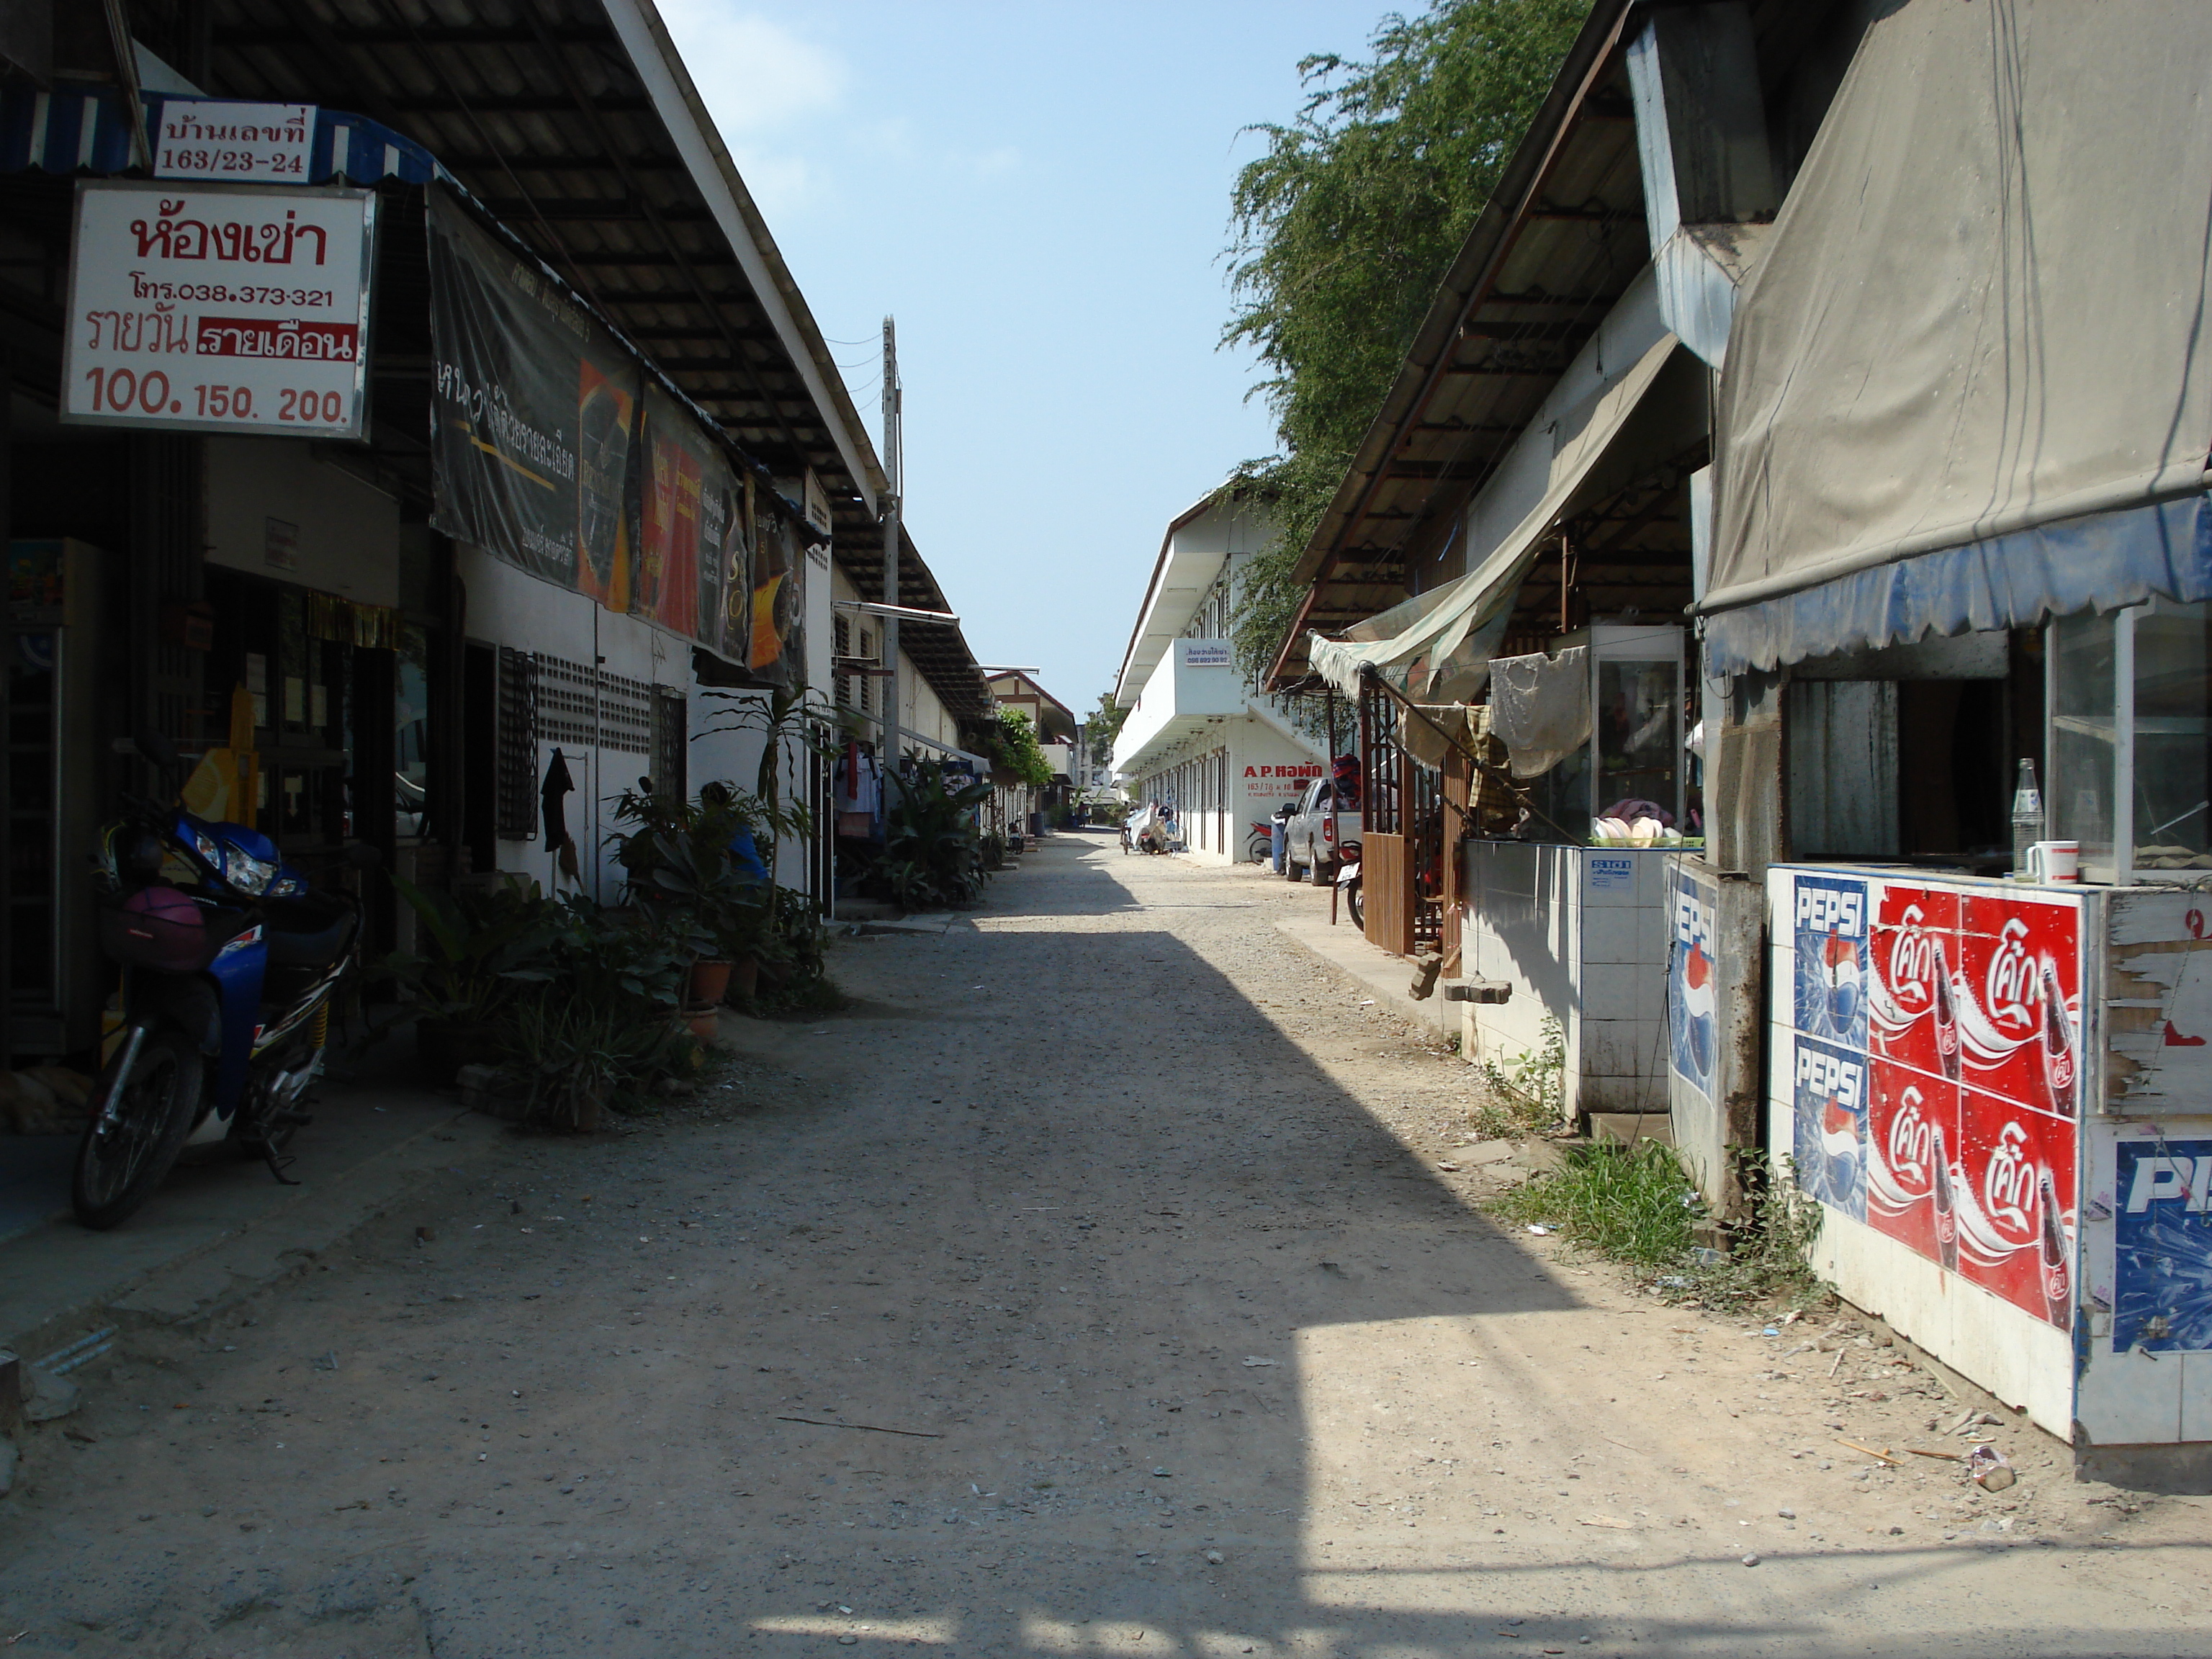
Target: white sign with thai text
[[214, 138], [220, 308]]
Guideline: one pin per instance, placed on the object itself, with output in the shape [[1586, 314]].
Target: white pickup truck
[[1314, 833]]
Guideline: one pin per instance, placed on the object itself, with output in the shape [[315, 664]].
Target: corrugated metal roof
[[576, 122], [1562, 237]]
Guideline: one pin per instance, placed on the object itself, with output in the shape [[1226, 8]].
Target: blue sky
[[1038, 192]]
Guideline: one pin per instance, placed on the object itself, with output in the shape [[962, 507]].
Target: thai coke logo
[[1913, 961], [2009, 1184], [1911, 1143], [2010, 986]]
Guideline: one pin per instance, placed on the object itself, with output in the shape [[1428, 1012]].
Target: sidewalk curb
[[240, 1260], [1346, 949]]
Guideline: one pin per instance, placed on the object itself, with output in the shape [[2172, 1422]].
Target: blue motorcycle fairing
[[238, 970], [252, 843], [241, 965]]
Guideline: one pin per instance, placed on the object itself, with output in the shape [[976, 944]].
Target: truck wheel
[[1292, 870]]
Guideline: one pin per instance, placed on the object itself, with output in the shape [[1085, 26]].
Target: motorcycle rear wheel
[[1353, 904], [118, 1168]]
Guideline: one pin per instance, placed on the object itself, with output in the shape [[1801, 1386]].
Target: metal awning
[[1437, 646], [575, 124], [83, 127]]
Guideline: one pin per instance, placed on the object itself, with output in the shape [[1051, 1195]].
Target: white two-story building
[[1198, 738]]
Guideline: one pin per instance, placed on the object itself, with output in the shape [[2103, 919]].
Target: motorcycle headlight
[[247, 874]]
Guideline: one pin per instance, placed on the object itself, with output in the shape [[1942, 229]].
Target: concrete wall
[[1715, 1024], [1580, 933], [508, 606]]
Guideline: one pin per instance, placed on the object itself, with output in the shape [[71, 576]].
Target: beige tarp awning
[[1981, 313], [1437, 646]]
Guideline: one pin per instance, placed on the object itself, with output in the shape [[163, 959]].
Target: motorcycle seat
[[309, 932]]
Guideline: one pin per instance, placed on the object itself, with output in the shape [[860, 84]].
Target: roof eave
[[1487, 244], [659, 65]]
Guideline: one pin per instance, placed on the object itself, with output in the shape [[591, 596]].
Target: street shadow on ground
[[1032, 1324]]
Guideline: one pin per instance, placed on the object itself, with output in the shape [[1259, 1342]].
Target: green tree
[[1013, 744], [1103, 725], [1341, 231]]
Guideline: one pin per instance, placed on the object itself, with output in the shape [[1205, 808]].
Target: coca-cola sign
[[215, 308], [1971, 1000]]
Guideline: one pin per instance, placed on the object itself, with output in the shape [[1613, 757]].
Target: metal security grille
[[516, 808], [671, 735], [625, 714], [842, 648], [568, 702]]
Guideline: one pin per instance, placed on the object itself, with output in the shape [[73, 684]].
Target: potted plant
[[933, 854], [699, 857], [480, 949]]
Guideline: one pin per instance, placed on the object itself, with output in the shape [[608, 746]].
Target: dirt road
[[1122, 1227]]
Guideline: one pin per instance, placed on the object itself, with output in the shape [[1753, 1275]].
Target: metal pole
[[894, 715], [1328, 769]]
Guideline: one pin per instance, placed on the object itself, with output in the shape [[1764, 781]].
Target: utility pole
[[895, 482]]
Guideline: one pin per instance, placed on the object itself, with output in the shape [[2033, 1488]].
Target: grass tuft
[[1634, 1204]]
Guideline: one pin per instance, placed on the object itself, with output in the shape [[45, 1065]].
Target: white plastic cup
[[2054, 861]]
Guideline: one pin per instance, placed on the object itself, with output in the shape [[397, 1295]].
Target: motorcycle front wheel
[[1353, 904], [126, 1153]]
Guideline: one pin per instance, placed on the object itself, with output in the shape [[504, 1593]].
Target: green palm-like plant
[[932, 850]]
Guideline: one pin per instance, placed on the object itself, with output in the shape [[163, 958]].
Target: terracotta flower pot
[[703, 1021], [710, 979]]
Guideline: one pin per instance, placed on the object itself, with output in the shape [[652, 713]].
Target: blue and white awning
[[81, 128]]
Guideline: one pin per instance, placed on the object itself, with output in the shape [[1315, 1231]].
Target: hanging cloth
[[1539, 708], [558, 783]]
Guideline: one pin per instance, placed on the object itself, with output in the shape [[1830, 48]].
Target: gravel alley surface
[[1105, 1281]]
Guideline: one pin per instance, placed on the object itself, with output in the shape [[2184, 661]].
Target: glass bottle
[[2026, 818]]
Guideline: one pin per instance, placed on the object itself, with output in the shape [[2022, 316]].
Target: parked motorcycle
[[230, 966], [1260, 845], [1348, 882]]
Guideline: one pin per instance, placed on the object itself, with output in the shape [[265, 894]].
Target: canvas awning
[[1437, 646], [1969, 384]]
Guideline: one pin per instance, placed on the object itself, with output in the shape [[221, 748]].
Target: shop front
[[1524, 733], [204, 541], [1956, 615]]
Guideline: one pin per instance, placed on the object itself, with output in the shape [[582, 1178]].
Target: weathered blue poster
[[1829, 925], [1829, 1094], [2162, 1247], [1691, 1034]]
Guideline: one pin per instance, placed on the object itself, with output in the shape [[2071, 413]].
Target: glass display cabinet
[[2130, 743], [1635, 746]]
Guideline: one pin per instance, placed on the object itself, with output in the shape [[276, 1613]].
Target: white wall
[[508, 606], [347, 539]]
